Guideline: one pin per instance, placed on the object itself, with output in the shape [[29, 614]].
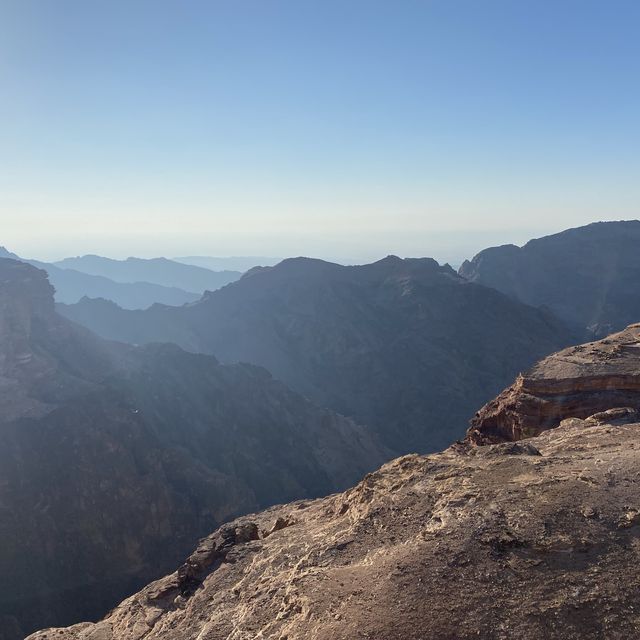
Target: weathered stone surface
[[576, 382], [537, 539]]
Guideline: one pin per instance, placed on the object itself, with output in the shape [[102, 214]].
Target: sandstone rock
[[598, 380]]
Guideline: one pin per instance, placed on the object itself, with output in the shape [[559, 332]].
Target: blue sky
[[339, 129]]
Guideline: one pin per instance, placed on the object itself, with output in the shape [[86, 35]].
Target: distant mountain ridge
[[129, 291], [115, 459], [71, 286], [5, 253], [588, 276], [233, 263], [406, 347], [162, 271]]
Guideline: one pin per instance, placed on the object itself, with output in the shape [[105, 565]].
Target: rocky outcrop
[[588, 276], [576, 382], [406, 347], [44, 360], [114, 460], [528, 540]]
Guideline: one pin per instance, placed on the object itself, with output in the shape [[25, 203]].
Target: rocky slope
[[589, 276], [44, 359], [528, 540], [406, 347], [576, 382], [115, 459]]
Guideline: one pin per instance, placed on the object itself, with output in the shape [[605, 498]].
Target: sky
[[341, 129]]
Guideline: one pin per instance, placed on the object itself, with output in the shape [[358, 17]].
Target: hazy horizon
[[442, 246]]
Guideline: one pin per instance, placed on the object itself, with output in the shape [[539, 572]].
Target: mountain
[[406, 347], [233, 263], [589, 276], [532, 539], [576, 382], [126, 289], [161, 271], [4, 253], [115, 459], [71, 286]]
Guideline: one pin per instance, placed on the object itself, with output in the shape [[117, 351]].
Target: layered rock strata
[[576, 382]]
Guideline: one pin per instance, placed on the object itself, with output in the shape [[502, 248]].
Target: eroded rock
[[598, 380]]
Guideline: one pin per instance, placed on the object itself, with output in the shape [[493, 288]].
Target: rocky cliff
[[588, 276], [576, 382], [115, 459], [44, 359], [528, 540]]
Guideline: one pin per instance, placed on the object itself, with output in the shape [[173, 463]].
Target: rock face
[[406, 347], [43, 358], [589, 276], [528, 540], [115, 459], [576, 382]]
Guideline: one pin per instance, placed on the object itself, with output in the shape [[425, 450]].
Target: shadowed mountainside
[[588, 276], [115, 459], [404, 346]]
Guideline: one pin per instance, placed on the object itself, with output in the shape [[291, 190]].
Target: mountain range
[[231, 263], [406, 347], [160, 271], [115, 459], [129, 291]]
